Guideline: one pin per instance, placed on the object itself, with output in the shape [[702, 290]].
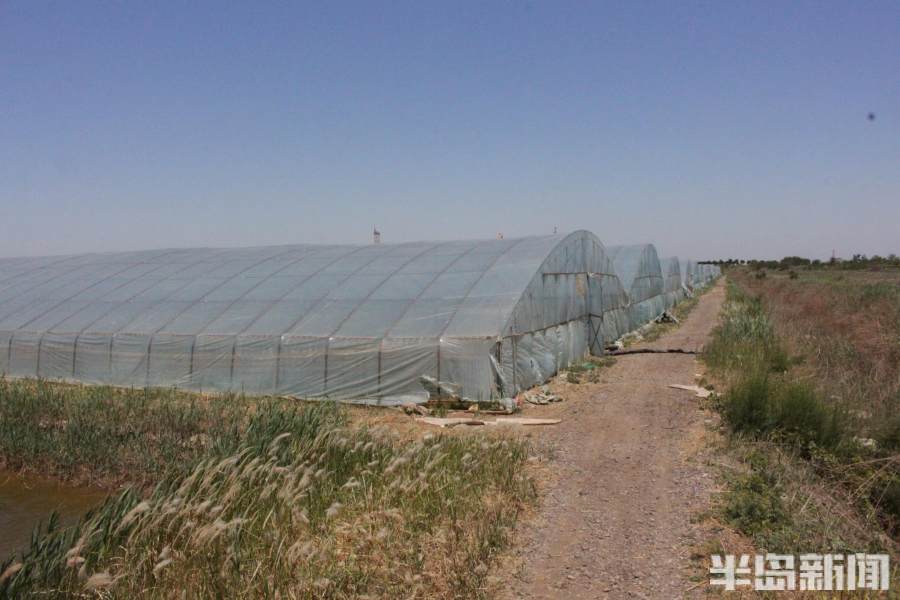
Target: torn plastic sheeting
[[391, 400], [502, 383]]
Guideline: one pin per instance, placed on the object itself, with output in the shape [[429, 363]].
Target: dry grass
[[809, 364], [844, 327], [305, 505]]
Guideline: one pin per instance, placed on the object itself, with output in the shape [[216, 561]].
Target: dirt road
[[625, 481]]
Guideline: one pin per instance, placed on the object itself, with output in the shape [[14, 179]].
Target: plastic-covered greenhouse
[[672, 288], [343, 322], [687, 275], [706, 273], [701, 275], [640, 273]]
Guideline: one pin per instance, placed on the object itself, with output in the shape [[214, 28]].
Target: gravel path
[[626, 479]]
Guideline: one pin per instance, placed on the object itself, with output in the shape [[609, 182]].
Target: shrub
[[758, 405], [777, 358], [802, 417], [753, 503], [747, 407]]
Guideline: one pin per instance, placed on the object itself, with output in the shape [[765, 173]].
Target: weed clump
[[805, 420], [753, 504], [759, 406], [747, 406]]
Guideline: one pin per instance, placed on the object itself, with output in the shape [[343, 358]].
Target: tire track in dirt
[[625, 481]]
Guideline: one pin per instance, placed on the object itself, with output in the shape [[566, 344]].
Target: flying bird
[[871, 116]]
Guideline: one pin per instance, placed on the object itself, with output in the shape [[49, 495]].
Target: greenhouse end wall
[[640, 273]]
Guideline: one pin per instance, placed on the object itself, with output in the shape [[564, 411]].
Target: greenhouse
[[345, 322], [687, 275], [707, 273], [671, 272], [699, 278], [639, 271]]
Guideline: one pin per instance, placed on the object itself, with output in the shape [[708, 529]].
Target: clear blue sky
[[713, 130]]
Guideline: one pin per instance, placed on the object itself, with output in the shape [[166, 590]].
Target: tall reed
[[303, 506]]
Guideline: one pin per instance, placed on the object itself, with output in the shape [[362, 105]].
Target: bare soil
[[626, 480]]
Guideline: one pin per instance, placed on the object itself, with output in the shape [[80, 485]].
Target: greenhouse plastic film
[[640, 273], [314, 321]]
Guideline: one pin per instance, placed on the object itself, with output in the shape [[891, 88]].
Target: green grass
[[760, 405], [745, 340], [753, 504], [108, 435], [281, 500]]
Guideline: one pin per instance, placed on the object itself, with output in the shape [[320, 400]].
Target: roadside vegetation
[[233, 498], [811, 369]]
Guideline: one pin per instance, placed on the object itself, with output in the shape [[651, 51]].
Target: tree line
[[857, 261]]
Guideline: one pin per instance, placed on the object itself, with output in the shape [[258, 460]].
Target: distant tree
[[794, 261]]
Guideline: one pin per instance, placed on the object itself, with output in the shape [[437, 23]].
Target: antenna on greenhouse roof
[[376, 235]]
